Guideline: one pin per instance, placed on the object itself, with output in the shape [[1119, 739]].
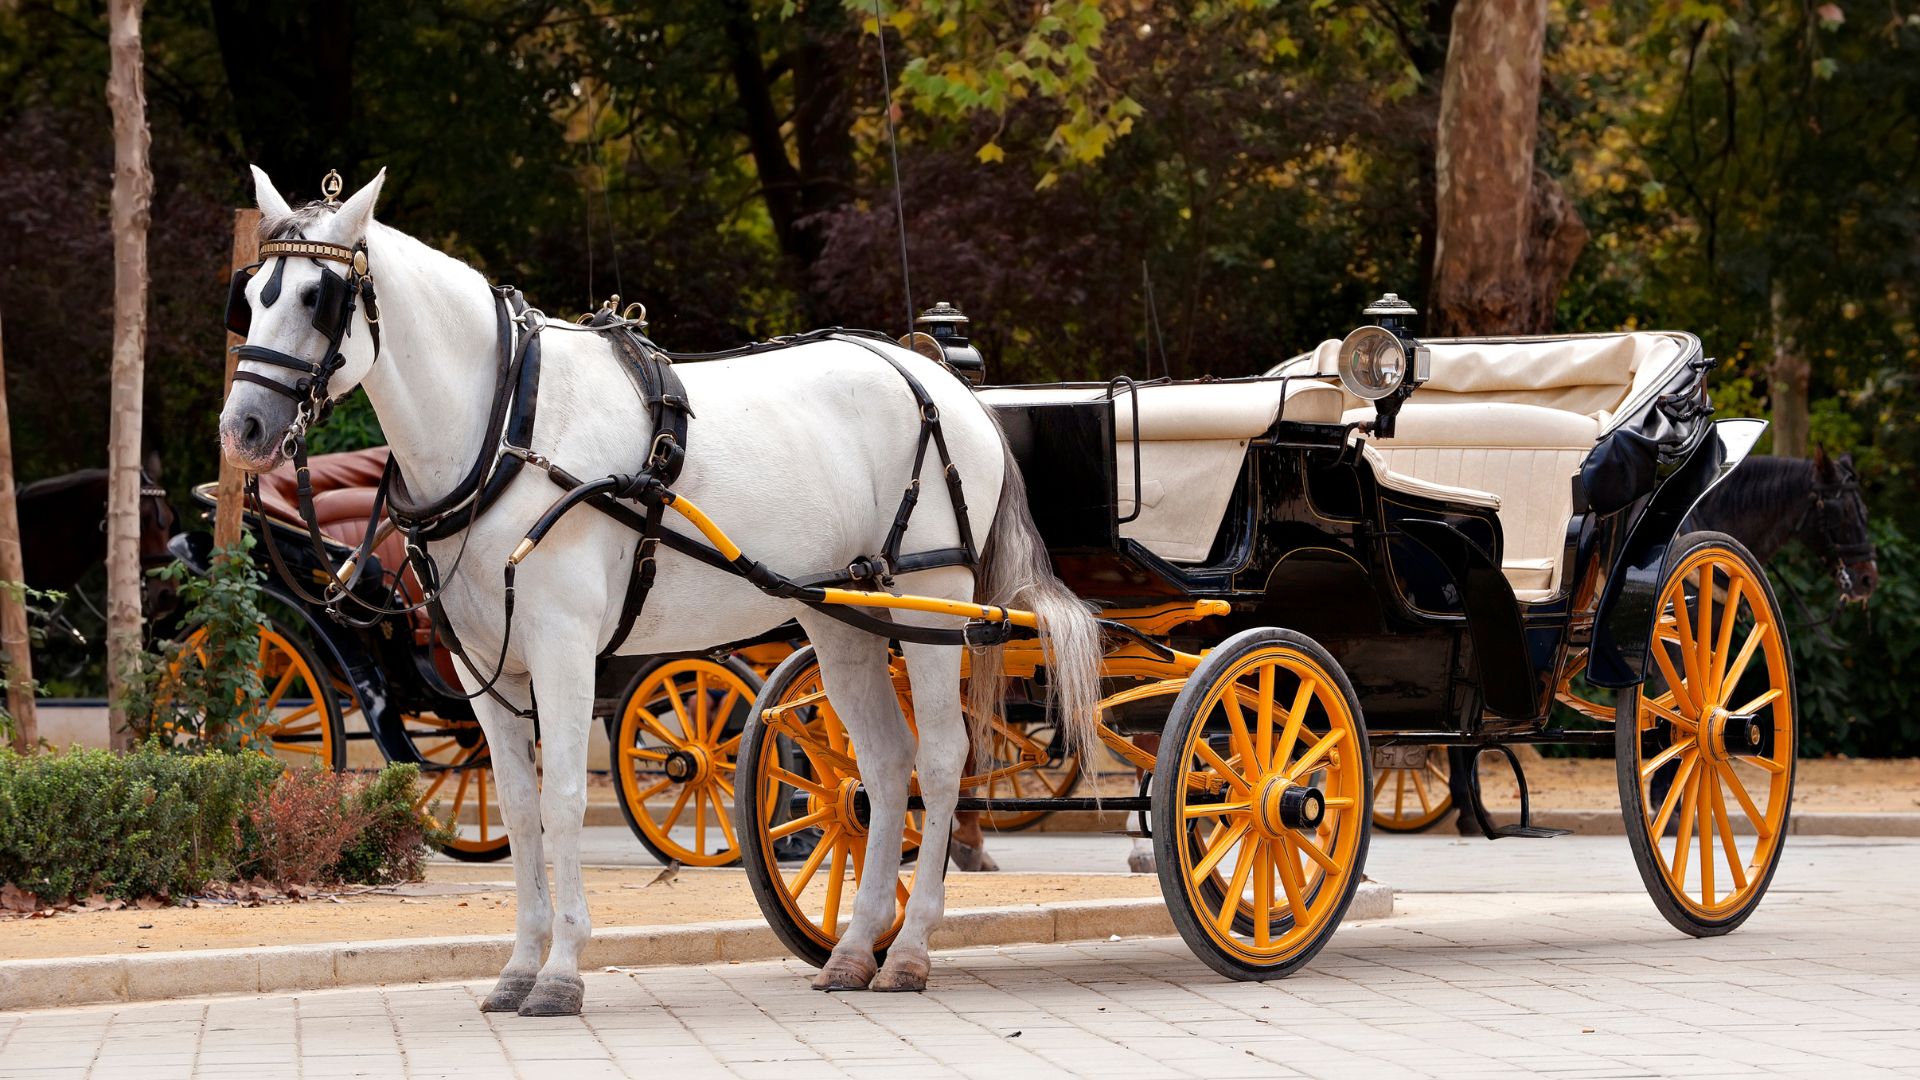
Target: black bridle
[[1833, 505], [333, 309]]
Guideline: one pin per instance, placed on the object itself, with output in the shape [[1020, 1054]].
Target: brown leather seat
[[343, 491]]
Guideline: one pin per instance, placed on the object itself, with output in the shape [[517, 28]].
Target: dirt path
[[479, 900]]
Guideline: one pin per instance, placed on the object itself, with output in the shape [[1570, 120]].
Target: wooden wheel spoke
[[1237, 884], [1683, 843], [1313, 851], [699, 818], [1237, 732], [1760, 824], [1292, 883], [1670, 716], [641, 799], [1680, 746], [679, 805], [828, 839], [1223, 841], [642, 754], [1727, 842], [279, 689], [1755, 638], [1729, 614], [1688, 761], [726, 827], [1675, 684], [652, 723], [795, 780], [1757, 703], [1420, 789], [1705, 777], [1263, 720], [836, 880], [1296, 716], [1219, 809], [788, 828], [1312, 758], [1689, 645], [1226, 771], [1703, 643]]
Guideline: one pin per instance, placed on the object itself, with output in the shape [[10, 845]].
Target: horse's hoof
[[902, 975], [507, 994], [972, 859], [555, 995], [844, 972], [1140, 862]]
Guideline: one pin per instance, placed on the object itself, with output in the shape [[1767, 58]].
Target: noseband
[[332, 316]]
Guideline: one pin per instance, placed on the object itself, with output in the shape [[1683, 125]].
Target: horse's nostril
[[251, 431]]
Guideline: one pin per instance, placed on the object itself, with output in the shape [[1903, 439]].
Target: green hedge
[[147, 823], [158, 823]]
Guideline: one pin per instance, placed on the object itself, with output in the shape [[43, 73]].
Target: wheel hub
[[1282, 806], [689, 765], [1729, 733], [851, 807]]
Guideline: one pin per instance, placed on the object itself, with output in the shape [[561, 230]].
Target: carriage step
[[1527, 832]]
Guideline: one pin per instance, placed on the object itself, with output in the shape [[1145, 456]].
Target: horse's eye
[[309, 294]]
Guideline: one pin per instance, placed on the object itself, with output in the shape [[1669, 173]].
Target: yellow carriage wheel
[[1051, 776], [458, 789], [302, 721], [674, 743], [801, 812], [1261, 804], [1706, 746], [1412, 795]]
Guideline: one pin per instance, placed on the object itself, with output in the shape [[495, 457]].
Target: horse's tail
[[1014, 572]]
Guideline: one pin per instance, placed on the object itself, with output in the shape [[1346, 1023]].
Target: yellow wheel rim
[[676, 759], [1721, 669], [1412, 797], [297, 726], [817, 893], [459, 791], [1265, 868]]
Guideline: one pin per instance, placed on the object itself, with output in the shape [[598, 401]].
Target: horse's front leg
[[560, 656], [942, 757], [510, 746], [853, 666]]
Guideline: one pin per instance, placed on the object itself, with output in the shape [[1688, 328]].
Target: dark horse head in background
[[63, 533], [1768, 501]]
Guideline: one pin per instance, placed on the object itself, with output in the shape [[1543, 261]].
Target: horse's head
[[307, 312], [1840, 526]]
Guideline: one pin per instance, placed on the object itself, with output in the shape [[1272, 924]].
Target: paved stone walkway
[[1550, 966]]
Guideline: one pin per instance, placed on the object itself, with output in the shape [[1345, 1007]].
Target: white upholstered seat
[[1193, 439], [1514, 419]]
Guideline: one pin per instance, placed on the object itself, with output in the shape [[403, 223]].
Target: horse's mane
[[1769, 481], [280, 226], [54, 485]]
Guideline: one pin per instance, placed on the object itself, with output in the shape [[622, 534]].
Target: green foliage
[[199, 692], [149, 823], [351, 427], [1857, 669], [394, 836], [18, 592]]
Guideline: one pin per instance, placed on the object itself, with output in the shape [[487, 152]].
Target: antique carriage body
[[1307, 593]]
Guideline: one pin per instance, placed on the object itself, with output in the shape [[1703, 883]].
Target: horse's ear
[[151, 463], [1820, 458], [267, 197], [350, 223]]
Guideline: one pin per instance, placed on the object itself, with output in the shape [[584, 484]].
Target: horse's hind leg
[[942, 757], [510, 745], [853, 665]]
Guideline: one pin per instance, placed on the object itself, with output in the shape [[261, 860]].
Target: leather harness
[[506, 449]]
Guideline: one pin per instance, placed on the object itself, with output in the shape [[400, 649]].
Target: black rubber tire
[[1170, 768], [1626, 732]]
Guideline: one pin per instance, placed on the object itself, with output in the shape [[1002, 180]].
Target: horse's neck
[[1761, 504], [433, 385]]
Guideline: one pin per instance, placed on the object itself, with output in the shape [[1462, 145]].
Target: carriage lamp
[[1383, 363], [947, 325]]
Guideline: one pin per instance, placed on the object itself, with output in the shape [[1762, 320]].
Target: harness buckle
[[662, 444]]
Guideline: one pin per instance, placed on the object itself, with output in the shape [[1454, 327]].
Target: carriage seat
[[1514, 420], [343, 491], [1193, 439]]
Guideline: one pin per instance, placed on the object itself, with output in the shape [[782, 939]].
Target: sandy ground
[[466, 899], [1886, 786]]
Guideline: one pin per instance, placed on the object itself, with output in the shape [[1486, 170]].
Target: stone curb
[[86, 980]]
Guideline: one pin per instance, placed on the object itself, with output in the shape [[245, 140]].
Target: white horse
[[799, 454]]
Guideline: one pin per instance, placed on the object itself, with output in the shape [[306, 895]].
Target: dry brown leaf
[[148, 903], [14, 898]]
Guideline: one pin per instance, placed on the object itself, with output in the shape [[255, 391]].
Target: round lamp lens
[[1372, 362]]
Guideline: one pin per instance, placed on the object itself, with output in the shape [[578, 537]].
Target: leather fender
[[1624, 620], [1493, 616]]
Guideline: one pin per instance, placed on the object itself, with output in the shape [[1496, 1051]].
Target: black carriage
[[1379, 554]]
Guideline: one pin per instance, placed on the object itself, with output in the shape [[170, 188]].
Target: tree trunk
[[1506, 236], [13, 609], [132, 201], [228, 497], [1788, 378]]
